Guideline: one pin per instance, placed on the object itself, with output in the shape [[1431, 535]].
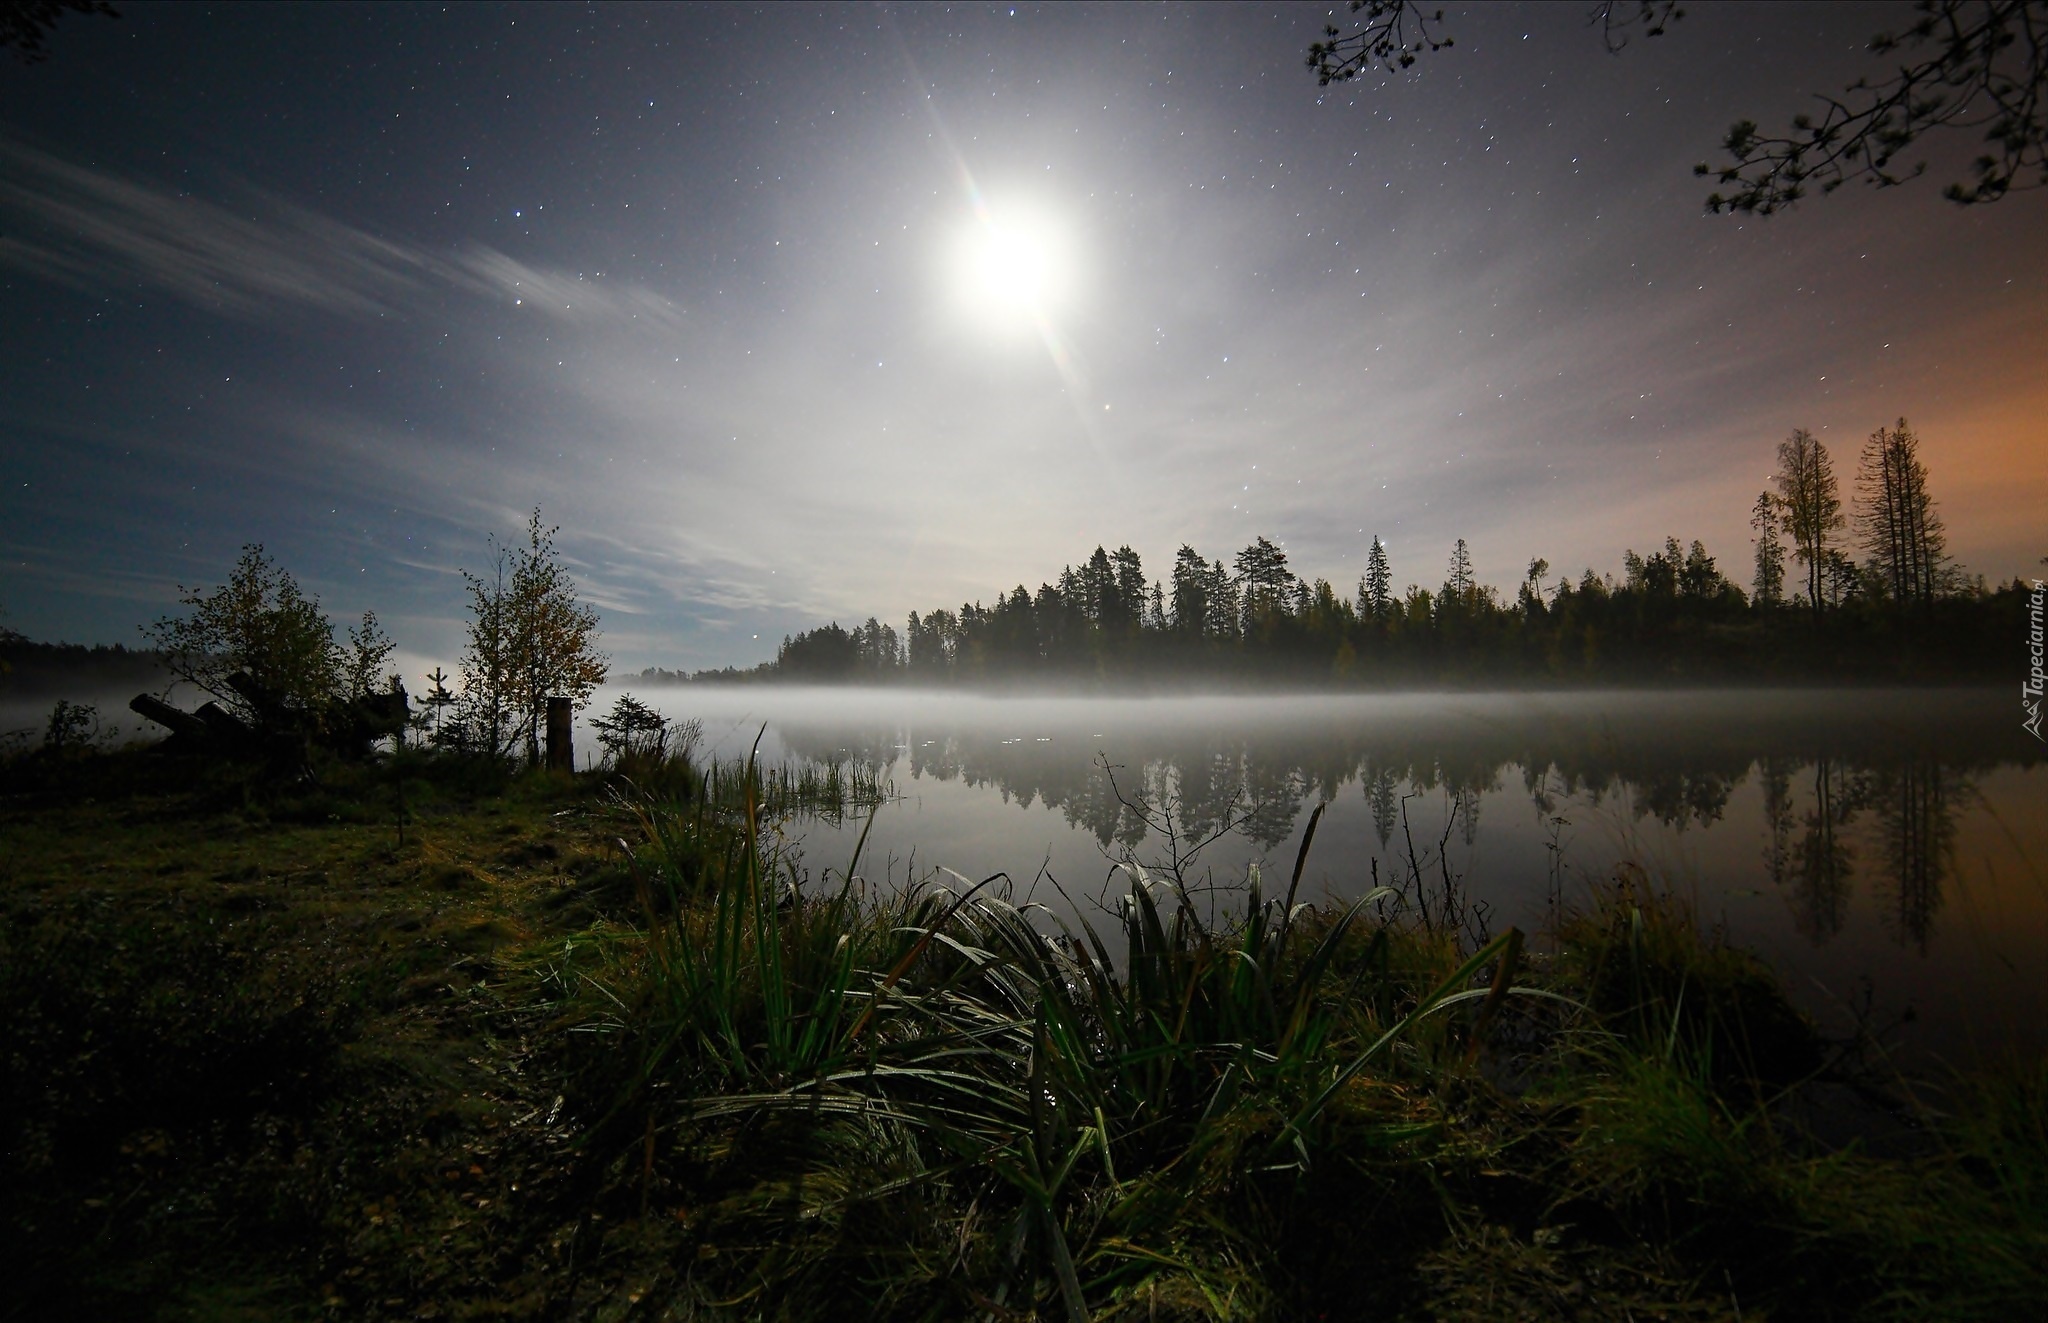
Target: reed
[[1051, 1077], [940, 1102], [679, 776]]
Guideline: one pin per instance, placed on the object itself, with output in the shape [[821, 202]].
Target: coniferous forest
[[1836, 589]]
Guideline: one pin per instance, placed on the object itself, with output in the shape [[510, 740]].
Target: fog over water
[[25, 710], [1894, 837], [1888, 845]]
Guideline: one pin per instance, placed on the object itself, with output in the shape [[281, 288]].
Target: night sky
[[713, 286]]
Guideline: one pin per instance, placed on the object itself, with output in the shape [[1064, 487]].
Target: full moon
[[1012, 269]]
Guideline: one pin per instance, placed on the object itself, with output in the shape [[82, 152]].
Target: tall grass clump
[[1017, 1114], [931, 1101], [671, 771]]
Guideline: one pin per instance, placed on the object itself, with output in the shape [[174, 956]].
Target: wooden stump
[[561, 752]]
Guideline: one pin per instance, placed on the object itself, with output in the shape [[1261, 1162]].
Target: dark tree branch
[[1394, 33], [1982, 66], [24, 23], [1987, 70], [1615, 18]]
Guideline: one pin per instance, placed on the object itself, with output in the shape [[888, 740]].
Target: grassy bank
[[426, 1040]]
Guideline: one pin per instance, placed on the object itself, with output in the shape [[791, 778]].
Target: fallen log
[[175, 720], [223, 724]]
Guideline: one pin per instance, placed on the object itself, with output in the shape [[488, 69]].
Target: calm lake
[[1886, 851]]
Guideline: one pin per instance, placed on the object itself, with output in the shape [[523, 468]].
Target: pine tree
[[1768, 585], [1265, 579], [1376, 589], [1458, 587], [1099, 589], [1699, 578], [438, 698], [1190, 592], [1130, 587], [1223, 605]]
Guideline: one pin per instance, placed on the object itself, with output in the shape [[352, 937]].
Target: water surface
[[1887, 851]]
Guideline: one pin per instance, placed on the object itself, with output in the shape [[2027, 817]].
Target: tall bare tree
[[1531, 594], [1896, 524], [1812, 507]]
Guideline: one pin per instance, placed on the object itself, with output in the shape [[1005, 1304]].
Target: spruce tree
[[1767, 588], [1376, 589]]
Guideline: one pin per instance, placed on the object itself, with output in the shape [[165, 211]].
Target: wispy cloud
[[95, 229], [92, 228]]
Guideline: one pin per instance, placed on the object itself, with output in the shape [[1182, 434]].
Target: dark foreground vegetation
[[422, 1039]]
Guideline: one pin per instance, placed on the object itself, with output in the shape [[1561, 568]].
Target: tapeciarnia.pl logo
[[2030, 692]]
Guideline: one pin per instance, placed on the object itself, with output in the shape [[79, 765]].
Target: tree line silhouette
[[1904, 611]]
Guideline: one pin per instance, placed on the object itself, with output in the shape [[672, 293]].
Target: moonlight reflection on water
[[1885, 850]]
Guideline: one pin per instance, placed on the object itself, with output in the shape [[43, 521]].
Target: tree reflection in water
[[1916, 807], [1382, 793], [1822, 862], [1840, 791]]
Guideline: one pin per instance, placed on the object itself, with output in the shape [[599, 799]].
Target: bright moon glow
[[1012, 269]]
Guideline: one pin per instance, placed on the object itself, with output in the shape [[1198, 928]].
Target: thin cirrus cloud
[[93, 228], [272, 263]]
